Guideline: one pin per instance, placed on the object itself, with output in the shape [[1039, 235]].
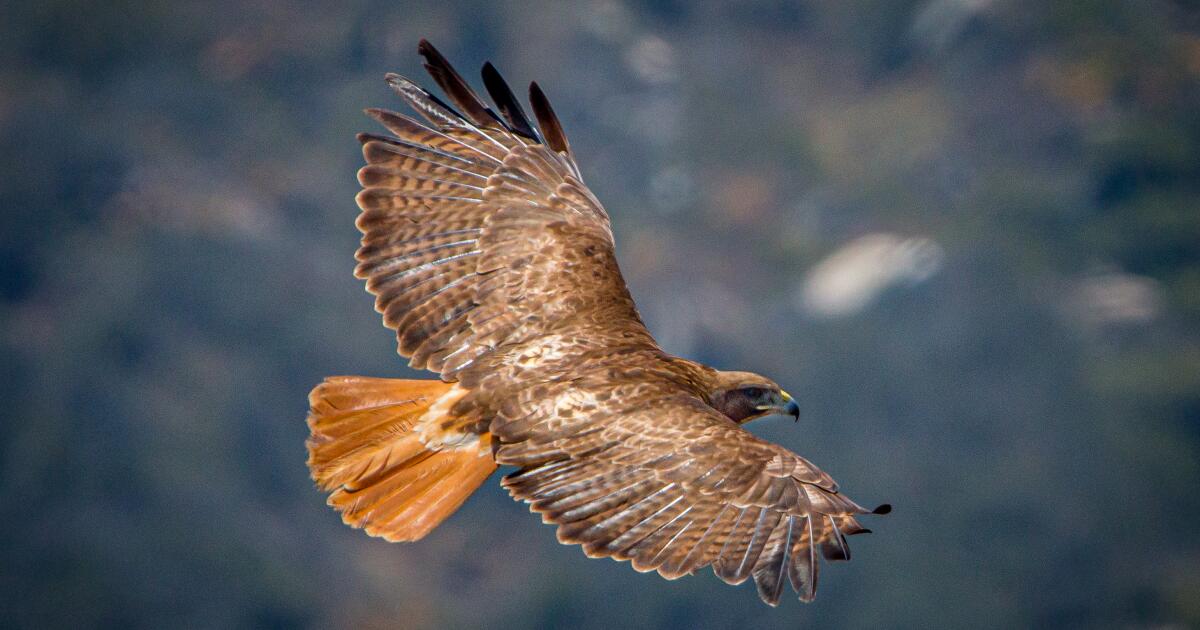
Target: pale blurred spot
[[743, 197], [1115, 298], [903, 128], [853, 277], [939, 23], [652, 59], [1086, 86], [609, 20], [645, 252], [232, 57], [190, 202], [650, 118]]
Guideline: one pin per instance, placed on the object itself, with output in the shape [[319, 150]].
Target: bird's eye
[[753, 392]]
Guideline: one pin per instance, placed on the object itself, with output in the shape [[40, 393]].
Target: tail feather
[[376, 446]]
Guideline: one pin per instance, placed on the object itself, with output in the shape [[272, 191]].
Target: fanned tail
[[381, 447]]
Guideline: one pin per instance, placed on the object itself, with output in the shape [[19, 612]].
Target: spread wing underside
[[658, 478], [477, 229]]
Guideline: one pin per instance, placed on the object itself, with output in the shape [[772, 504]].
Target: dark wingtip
[[885, 508], [507, 102], [452, 83], [431, 54], [552, 129]]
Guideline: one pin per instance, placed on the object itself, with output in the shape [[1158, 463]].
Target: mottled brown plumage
[[495, 265]]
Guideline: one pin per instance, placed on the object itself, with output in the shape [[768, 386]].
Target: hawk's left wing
[[655, 476]]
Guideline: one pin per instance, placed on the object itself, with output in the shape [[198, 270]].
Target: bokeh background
[[966, 233]]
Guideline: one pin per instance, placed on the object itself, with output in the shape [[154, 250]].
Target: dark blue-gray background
[[964, 233]]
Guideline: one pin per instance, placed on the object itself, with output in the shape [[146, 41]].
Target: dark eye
[[753, 392]]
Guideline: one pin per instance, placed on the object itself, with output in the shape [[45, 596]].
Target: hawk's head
[[744, 396]]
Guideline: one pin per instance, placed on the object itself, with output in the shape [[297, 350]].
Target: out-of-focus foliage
[[176, 182]]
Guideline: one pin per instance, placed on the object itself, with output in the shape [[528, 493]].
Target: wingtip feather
[[507, 102], [455, 87], [551, 127]]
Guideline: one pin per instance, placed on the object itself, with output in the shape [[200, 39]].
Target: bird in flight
[[495, 266]]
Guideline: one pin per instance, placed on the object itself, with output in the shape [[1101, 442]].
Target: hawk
[[495, 265]]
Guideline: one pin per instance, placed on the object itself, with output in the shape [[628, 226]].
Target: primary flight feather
[[495, 266]]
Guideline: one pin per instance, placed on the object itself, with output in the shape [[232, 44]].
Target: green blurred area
[[177, 184]]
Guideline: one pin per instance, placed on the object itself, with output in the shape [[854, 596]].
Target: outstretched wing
[[652, 475], [477, 229]]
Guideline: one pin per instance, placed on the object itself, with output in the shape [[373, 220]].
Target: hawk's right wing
[[478, 231]]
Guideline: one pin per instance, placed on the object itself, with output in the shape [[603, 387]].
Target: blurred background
[[965, 233]]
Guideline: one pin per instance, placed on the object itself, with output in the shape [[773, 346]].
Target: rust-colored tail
[[369, 447]]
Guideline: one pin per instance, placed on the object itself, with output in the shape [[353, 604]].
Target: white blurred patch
[[940, 22], [1115, 298], [851, 278], [652, 59], [609, 20]]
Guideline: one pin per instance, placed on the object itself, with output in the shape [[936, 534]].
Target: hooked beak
[[792, 409], [787, 408]]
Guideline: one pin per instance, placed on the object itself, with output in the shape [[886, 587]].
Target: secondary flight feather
[[495, 265]]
